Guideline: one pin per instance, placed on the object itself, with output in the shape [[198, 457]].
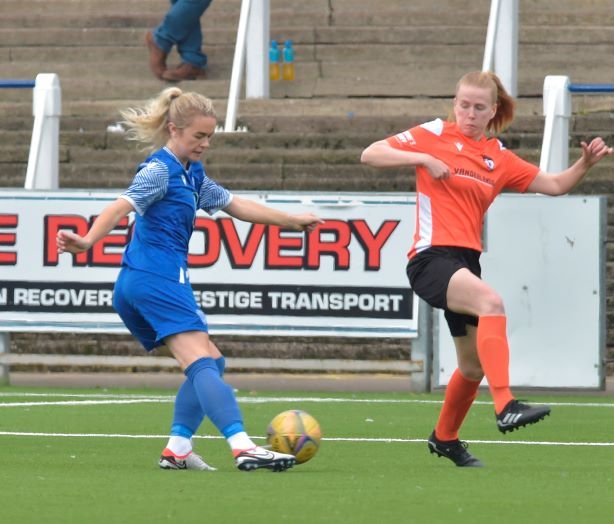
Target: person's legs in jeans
[[181, 27]]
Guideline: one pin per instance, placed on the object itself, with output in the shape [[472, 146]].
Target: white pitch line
[[327, 439], [495, 442], [542, 443], [136, 399], [83, 395], [82, 402], [260, 400], [94, 435]]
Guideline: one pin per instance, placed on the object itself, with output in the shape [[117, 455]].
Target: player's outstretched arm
[[70, 242], [255, 212], [561, 183]]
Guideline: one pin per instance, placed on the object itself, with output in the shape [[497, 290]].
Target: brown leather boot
[[157, 57], [184, 71]]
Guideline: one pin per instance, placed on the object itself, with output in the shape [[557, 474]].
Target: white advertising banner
[[545, 256], [347, 278]]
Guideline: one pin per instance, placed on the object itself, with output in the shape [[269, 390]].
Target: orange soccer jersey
[[451, 212]]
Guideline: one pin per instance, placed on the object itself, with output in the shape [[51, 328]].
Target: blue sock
[[216, 398], [188, 414], [233, 429]]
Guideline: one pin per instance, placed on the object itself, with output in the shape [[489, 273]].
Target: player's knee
[[492, 304], [471, 371]]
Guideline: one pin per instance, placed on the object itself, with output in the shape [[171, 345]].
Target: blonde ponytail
[[148, 123]]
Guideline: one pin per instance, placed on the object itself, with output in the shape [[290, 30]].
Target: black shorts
[[429, 274]]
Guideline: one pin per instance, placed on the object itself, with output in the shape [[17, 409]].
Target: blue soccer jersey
[[166, 197]]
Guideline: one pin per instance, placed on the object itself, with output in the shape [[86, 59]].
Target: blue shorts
[[154, 308]]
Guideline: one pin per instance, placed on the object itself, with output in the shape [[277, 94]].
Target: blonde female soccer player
[[459, 172], [153, 295]]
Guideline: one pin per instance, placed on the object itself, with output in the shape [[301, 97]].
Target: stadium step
[[365, 70]]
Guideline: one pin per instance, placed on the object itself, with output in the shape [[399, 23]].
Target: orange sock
[[460, 394], [494, 354]]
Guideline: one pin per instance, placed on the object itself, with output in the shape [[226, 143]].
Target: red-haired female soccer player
[[459, 173]]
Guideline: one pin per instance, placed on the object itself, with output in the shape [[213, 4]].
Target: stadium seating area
[[363, 70]]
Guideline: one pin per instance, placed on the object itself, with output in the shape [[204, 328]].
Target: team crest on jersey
[[459, 146], [490, 163], [406, 138]]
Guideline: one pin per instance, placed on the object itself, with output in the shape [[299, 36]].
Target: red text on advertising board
[[8, 258], [283, 249]]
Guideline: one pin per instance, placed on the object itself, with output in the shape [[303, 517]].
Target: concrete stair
[[365, 70], [343, 48]]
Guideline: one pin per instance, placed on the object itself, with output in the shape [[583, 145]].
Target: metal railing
[[17, 84], [557, 110], [43, 160]]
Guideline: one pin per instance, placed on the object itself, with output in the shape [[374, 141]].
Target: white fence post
[[506, 46], [5, 342], [253, 40], [237, 68], [501, 47], [557, 110], [422, 350], [257, 64], [488, 61], [43, 161]]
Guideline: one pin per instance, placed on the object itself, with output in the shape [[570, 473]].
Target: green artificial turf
[[96, 462]]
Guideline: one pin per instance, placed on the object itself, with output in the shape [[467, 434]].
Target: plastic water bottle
[[287, 70], [274, 60]]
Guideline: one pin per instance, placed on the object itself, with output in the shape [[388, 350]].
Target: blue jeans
[[181, 27]]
